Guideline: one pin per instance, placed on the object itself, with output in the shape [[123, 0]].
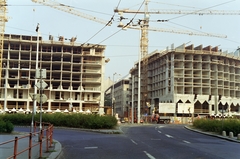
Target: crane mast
[[3, 20], [144, 52]]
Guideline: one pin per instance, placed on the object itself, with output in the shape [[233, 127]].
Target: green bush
[[6, 127], [9, 127], [218, 125], [2, 126], [88, 121]]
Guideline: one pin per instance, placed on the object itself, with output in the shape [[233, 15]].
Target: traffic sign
[[44, 98], [44, 84], [33, 96]]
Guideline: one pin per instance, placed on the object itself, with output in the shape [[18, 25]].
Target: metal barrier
[[44, 135]]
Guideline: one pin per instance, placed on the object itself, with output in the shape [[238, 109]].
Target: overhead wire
[[173, 4], [109, 23], [123, 26], [40, 5], [201, 10], [170, 20]]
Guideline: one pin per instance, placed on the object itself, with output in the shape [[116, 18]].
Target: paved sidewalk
[[7, 150]]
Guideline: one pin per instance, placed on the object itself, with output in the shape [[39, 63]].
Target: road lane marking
[[155, 139], [134, 142], [90, 147], [169, 136], [149, 155], [186, 141], [160, 132]]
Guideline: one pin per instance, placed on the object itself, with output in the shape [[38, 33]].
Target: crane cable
[[201, 10], [109, 23], [123, 26]]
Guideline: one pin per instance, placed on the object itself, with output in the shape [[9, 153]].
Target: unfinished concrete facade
[[204, 77], [74, 74]]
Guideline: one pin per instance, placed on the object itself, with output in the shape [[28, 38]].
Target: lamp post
[[139, 83], [35, 87], [132, 99], [5, 87]]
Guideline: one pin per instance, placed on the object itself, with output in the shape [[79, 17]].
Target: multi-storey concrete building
[[204, 78], [118, 93], [74, 74], [121, 96]]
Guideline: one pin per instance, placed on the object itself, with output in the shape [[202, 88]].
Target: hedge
[[218, 125], [89, 121]]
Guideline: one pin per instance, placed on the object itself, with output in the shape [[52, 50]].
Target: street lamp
[[35, 87], [5, 87]]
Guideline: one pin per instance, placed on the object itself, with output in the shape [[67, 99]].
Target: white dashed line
[[149, 155], [186, 141], [169, 136], [134, 142], [90, 147], [155, 139], [160, 132]]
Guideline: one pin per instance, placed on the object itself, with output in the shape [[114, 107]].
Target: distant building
[[118, 94], [194, 80], [74, 74]]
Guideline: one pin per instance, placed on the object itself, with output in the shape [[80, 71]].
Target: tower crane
[[3, 20], [143, 25], [145, 21]]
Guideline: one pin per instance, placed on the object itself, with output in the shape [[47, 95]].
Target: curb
[[215, 135], [57, 150]]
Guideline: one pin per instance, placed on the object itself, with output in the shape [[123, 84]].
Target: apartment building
[[121, 93], [204, 80], [74, 74], [118, 93]]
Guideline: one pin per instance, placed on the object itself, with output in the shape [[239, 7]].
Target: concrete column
[[166, 77]]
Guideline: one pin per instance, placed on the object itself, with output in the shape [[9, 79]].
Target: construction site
[[189, 80], [74, 74], [197, 80]]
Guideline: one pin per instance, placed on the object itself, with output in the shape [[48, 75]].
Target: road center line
[[149, 155], [160, 132], [186, 141], [169, 136], [134, 142], [90, 147]]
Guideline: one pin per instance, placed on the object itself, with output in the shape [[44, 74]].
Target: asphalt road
[[144, 142]]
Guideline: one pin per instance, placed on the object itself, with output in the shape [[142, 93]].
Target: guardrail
[[44, 135]]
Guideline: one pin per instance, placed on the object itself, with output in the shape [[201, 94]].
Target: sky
[[122, 46]]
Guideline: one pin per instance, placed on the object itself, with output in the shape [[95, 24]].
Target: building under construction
[[189, 80], [74, 74]]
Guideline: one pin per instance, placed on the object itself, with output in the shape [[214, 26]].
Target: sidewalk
[[7, 150]]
